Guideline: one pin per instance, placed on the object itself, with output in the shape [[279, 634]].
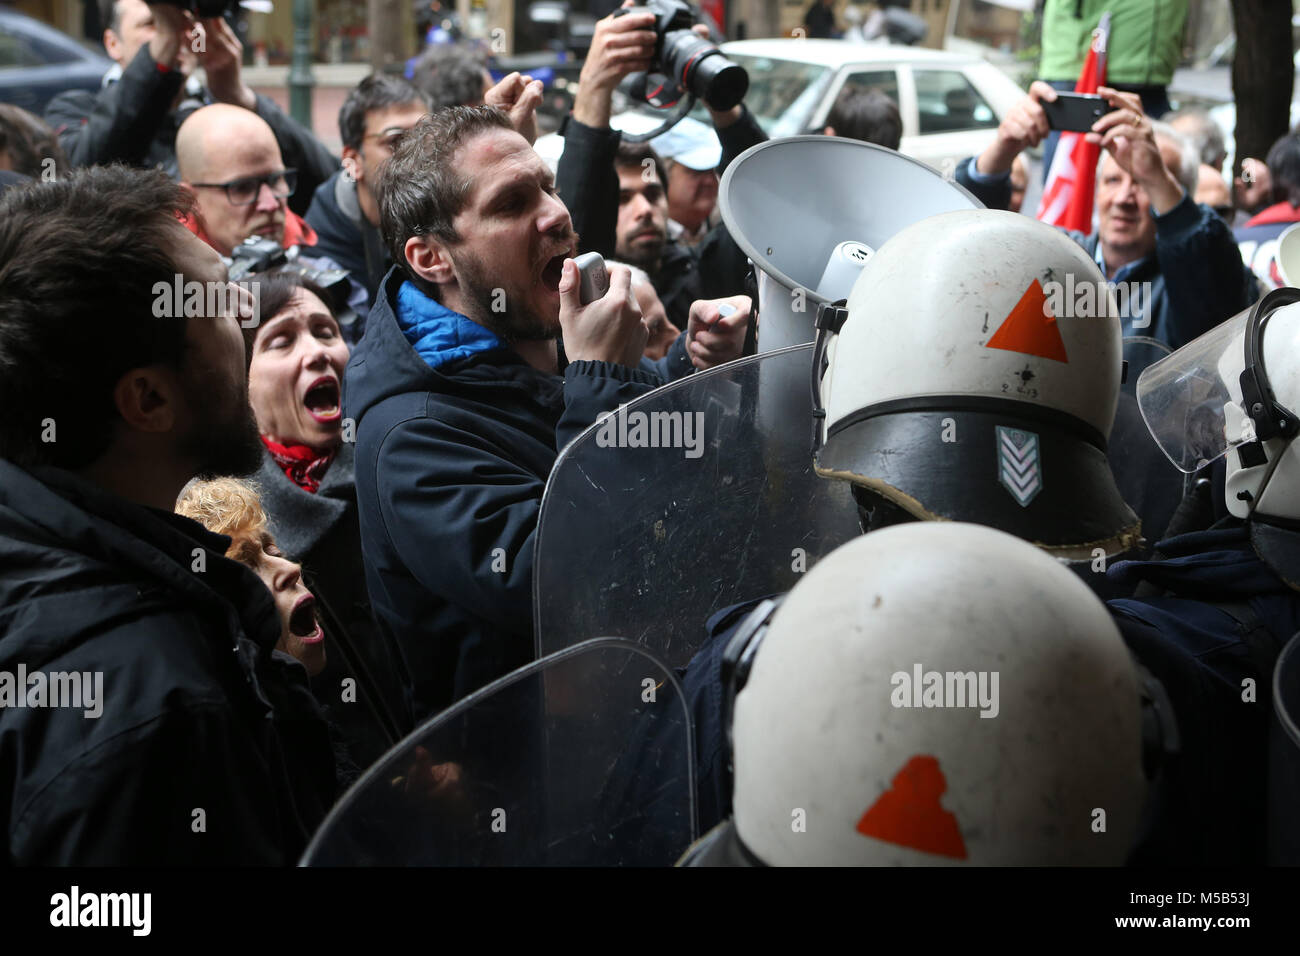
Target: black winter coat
[[131, 121], [209, 748]]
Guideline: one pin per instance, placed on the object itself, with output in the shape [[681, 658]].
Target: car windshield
[[783, 93]]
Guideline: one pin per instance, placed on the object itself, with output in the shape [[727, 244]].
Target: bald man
[[149, 92], [229, 158]]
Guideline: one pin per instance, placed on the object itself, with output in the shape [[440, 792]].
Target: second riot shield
[[695, 497], [1284, 759], [584, 758]]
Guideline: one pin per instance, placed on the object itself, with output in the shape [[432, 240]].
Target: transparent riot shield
[[1149, 482], [697, 496], [1139, 352], [584, 758], [1284, 759]]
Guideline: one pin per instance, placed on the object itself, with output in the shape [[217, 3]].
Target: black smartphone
[[1075, 112]]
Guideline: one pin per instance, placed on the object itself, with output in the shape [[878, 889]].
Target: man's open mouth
[[322, 399], [553, 271], [302, 621]]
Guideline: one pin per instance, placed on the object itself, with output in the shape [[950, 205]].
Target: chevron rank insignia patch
[[1019, 469]]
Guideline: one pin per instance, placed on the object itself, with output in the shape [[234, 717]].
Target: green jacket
[[1145, 39]]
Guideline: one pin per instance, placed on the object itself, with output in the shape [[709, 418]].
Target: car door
[[37, 64], [953, 119], [883, 78]]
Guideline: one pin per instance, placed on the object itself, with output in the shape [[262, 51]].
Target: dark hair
[[450, 76], [635, 154], [79, 261], [379, 91], [29, 142], [1284, 167], [868, 115], [421, 190], [110, 17], [274, 290]]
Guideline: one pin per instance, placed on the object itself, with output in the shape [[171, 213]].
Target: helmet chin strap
[[1271, 418]]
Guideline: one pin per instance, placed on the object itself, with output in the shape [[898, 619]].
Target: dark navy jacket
[[1196, 274], [1222, 619], [450, 468], [343, 234]]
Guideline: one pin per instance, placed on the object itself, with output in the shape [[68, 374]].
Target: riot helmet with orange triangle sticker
[[935, 694], [969, 378]]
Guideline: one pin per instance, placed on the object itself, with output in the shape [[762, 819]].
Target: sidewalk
[[346, 75], [333, 81]]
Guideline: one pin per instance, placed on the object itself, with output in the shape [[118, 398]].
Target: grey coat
[[320, 531]]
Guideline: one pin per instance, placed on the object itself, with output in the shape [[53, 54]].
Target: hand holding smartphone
[[1075, 112]]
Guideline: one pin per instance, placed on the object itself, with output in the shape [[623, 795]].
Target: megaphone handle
[[751, 332]]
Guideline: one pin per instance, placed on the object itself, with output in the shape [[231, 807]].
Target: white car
[[950, 103]]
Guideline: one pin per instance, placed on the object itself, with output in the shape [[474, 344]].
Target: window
[[18, 49], [884, 80], [946, 103], [15, 51]]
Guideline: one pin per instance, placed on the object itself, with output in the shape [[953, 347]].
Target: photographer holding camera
[[151, 90], [618, 202]]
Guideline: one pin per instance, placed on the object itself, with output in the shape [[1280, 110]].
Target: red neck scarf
[[303, 465], [296, 230]]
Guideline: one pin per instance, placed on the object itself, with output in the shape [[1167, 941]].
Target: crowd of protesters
[[290, 526]]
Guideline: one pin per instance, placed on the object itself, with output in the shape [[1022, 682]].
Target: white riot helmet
[[934, 694], [1232, 392], [974, 377]]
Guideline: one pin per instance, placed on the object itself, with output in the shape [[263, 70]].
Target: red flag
[[1071, 181]]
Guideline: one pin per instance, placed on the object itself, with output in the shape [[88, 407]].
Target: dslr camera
[[260, 254], [687, 59]]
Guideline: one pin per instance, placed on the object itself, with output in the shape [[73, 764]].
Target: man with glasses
[[229, 159], [151, 90], [344, 212]]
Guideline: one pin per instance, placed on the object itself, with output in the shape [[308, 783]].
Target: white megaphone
[[1287, 256], [809, 211]]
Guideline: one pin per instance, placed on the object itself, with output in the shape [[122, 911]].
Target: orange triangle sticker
[[909, 813], [1030, 328]]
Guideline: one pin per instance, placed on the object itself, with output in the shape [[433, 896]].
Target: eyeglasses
[[242, 192]]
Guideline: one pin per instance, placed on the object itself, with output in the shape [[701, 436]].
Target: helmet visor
[[1191, 399]]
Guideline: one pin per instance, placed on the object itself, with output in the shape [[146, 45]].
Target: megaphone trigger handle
[[831, 316]]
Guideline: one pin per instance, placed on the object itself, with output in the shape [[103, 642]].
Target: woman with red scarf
[[296, 356]]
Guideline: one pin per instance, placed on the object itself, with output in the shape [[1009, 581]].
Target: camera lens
[[700, 67]]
